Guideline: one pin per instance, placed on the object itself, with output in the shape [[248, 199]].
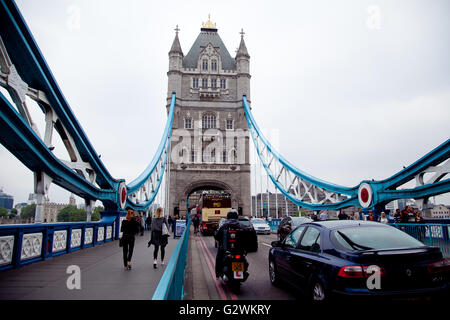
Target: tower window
[[204, 83], [204, 64], [222, 83], [229, 124], [214, 65], [195, 82], [188, 123], [209, 121]]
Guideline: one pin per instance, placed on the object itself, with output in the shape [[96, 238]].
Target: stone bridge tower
[[210, 142]]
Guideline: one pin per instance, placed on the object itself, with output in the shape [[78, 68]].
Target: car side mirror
[[275, 244]]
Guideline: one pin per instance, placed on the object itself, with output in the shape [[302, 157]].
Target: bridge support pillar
[[41, 185]]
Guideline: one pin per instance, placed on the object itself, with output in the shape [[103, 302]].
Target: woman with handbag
[[159, 235], [129, 229]]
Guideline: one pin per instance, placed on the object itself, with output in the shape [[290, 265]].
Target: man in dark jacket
[[342, 215], [221, 236]]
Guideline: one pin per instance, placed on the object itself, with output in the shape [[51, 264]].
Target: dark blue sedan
[[330, 258]]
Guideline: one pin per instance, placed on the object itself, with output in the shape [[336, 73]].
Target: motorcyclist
[[221, 237]]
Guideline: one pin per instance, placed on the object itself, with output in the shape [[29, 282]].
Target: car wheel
[[318, 291], [273, 274]]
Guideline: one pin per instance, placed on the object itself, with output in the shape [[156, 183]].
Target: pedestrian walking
[[129, 229], [323, 216], [141, 224], [370, 217], [159, 235], [342, 215], [421, 229], [360, 214], [383, 218], [148, 221], [196, 222], [397, 216]]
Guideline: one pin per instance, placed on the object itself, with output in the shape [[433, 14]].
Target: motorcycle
[[235, 265]]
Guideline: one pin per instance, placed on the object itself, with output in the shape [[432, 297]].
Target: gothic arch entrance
[[193, 190]]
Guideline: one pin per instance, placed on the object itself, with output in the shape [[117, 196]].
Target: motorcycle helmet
[[232, 214]]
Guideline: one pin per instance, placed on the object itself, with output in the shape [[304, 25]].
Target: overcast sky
[[346, 90]]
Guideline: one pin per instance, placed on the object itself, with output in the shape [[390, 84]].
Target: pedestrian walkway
[[198, 284], [102, 275]]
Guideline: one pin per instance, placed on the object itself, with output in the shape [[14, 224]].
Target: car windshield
[[373, 237], [245, 222], [298, 221], [258, 221]]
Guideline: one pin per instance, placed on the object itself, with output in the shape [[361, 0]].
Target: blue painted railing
[[171, 285], [437, 235], [22, 244], [274, 223]]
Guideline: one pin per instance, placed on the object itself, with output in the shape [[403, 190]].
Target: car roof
[[301, 218], [337, 224]]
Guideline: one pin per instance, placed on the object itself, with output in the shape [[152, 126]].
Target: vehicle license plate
[[237, 266]]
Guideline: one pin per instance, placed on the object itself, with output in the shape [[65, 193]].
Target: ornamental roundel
[[365, 195], [122, 195]]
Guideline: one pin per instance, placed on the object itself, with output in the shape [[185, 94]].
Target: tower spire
[[242, 50], [176, 47]]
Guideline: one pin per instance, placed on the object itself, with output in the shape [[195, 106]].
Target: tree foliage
[[3, 212], [28, 211], [71, 214], [96, 213]]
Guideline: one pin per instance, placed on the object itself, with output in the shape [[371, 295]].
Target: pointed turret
[[176, 47], [243, 69], [175, 65], [242, 51]]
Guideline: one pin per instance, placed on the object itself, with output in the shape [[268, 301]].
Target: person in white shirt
[[323, 216], [383, 218]]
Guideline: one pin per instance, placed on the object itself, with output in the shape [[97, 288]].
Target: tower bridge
[[205, 145]]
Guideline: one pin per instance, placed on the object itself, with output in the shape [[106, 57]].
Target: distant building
[[6, 200], [401, 203], [51, 210], [276, 202], [72, 201], [19, 207], [438, 212], [32, 198]]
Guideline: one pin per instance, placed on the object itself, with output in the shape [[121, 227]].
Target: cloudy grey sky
[[347, 90]]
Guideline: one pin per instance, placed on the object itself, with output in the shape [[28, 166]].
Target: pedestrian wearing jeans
[[129, 229], [158, 239]]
